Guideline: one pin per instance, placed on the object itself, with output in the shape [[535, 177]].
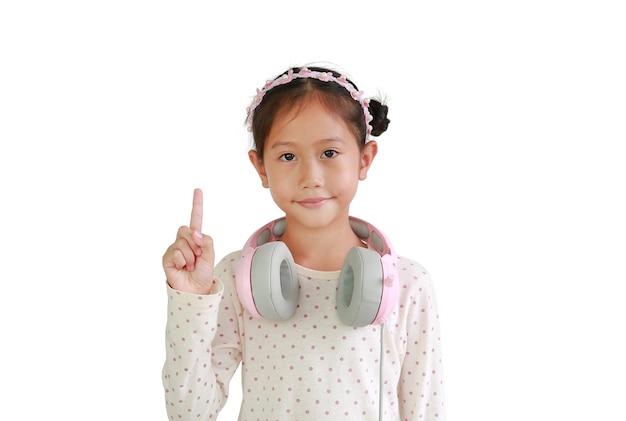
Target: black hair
[[331, 95]]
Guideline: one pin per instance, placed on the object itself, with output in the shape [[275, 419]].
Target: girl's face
[[312, 165]]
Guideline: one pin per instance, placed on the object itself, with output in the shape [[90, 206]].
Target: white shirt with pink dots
[[311, 366]]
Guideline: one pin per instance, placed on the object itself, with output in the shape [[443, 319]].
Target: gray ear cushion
[[360, 287], [274, 281]]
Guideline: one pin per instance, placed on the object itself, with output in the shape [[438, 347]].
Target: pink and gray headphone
[[267, 282]]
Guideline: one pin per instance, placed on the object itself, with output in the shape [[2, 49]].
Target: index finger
[[196, 211]]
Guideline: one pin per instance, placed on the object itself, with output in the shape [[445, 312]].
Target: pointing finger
[[196, 212]]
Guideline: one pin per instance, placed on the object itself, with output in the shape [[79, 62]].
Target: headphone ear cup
[[360, 287], [274, 281]]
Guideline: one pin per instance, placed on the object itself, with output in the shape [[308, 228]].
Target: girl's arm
[[202, 353], [421, 392]]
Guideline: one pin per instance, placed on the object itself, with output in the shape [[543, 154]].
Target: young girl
[[326, 320]]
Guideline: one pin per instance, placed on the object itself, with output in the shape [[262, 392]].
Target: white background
[[502, 173]]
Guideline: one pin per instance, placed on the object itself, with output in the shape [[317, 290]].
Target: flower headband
[[311, 74]]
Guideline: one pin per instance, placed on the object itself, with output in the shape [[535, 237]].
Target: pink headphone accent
[[267, 282]]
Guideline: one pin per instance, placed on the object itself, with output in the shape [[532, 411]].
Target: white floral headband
[[312, 74]]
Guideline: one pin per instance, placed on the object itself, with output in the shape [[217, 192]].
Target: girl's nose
[[311, 175]]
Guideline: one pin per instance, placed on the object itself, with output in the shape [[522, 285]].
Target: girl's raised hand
[[188, 263]]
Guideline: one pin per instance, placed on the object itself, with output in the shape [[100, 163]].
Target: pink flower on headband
[[307, 73], [304, 72]]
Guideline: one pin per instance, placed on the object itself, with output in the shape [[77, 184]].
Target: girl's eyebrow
[[281, 144], [321, 141]]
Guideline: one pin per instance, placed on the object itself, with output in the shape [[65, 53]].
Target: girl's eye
[[329, 154], [287, 157]]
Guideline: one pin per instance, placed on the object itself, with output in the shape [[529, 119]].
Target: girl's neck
[[322, 249]]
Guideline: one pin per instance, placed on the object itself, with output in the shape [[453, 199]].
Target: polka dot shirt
[[311, 366]]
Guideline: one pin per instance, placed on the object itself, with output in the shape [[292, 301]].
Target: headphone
[[267, 282]]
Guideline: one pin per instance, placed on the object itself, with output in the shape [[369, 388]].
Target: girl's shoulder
[[411, 271], [230, 260], [226, 268], [414, 278]]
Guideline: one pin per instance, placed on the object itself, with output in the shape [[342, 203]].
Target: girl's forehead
[[309, 121]]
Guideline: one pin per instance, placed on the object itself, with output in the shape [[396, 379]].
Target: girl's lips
[[313, 203]]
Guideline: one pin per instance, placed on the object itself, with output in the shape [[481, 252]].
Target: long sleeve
[[199, 361], [290, 368], [420, 389]]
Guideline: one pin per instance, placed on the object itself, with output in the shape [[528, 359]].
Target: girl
[[326, 320]]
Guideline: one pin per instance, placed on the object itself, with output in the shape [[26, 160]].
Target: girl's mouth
[[313, 202]]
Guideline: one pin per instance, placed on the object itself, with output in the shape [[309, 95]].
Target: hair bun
[[379, 122]]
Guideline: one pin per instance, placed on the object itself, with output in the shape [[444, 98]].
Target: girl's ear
[[367, 157], [257, 163]]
